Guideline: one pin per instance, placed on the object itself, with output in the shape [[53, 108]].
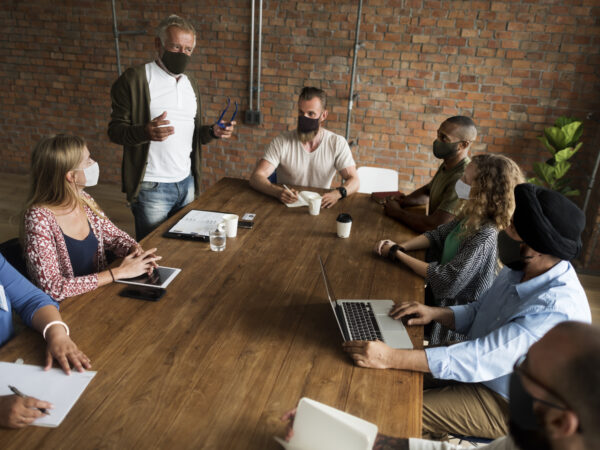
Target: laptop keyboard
[[361, 321]]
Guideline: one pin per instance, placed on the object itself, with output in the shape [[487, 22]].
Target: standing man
[[156, 116], [537, 289], [454, 139], [308, 156]]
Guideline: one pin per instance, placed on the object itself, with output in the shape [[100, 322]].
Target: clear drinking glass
[[218, 239]]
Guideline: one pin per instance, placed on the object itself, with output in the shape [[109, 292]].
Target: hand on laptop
[[373, 354], [417, 313]]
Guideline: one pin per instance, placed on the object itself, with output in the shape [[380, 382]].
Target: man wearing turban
[[467, 389]]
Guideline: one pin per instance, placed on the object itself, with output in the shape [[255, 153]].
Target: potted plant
[[561, 140]]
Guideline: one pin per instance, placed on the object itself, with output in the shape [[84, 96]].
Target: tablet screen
[[160, 278]]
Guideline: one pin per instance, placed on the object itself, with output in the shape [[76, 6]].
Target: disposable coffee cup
[[314, 205], [231, 224], [344, 224]]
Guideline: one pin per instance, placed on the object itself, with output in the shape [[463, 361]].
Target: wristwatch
[[342, 190]]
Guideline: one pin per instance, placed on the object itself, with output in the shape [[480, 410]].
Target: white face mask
[[92, 173], [463, 190]]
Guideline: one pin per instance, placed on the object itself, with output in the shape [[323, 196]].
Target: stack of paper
[[304, 198]]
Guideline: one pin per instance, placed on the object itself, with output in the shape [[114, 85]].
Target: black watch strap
[[393, 249], [342, 190]]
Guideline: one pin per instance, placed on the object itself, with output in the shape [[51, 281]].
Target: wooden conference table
[[239, 337]]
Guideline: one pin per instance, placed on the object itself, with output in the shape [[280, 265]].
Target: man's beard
[[529, 439], [308, 136]]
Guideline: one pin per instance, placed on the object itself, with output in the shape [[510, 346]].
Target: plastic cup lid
[[344, 218]]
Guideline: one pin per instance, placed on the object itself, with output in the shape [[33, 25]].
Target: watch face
[[342, 191]]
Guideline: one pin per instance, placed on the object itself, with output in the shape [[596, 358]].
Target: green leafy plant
[[561, 140]]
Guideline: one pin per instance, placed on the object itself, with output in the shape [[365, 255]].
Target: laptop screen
[[331, 296]]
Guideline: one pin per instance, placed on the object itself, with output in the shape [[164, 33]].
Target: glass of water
[[218, 239]]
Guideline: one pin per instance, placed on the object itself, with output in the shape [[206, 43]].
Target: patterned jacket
[[48, 259], [464, 278]]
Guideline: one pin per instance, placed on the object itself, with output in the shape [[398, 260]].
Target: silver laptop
[[366, 320]]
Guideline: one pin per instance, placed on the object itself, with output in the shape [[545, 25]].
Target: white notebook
[[53, 386], [321, 427], [304, 198]]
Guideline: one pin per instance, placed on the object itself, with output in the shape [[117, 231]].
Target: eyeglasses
[[224, 125], [519, 370]]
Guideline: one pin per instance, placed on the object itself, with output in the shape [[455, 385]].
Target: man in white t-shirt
[[308, 156], [156, 116]]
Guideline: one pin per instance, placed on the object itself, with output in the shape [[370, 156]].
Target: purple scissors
[[224, 125]]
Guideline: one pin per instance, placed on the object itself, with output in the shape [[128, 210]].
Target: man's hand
[[392, 208], [64, 350], [330, 198], [420, 314], [288, 195], [157, 129], [224, 133], [18, 412], [373, 354]]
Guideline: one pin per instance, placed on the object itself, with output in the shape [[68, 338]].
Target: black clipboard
[[192, 227]]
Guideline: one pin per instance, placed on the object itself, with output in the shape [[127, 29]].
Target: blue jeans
[[157, 202]]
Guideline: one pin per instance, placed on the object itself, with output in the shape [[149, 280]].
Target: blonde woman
[[464, 251], [65, 234]]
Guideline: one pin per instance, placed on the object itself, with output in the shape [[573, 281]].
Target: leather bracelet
[[111, 274], [392, 252]]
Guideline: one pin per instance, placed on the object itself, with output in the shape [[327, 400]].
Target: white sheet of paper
[[198, 222], [303, 199], [53, 386]]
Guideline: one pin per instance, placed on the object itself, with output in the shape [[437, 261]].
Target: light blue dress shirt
[[22, 296], [505, 322]]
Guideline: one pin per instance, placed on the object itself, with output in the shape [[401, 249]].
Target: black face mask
[[175, 62], [306, 124], [509, 252], [444, 150], [526, 428]]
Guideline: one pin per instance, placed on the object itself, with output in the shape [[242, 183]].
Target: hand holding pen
[[17, 411], [288, 195]]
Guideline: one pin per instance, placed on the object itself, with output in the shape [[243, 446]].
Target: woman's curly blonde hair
[[492, 199]]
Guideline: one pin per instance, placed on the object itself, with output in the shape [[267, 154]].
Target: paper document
[[53, 386], [198, 222], [321, 427], [303, 199]]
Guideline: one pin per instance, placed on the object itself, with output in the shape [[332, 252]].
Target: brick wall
[[514, 66]]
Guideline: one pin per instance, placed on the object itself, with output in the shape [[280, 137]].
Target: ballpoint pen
[[20, 394]]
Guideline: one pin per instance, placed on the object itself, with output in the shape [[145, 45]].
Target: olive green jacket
[[130, 97]]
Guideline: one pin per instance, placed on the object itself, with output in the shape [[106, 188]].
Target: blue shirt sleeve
[[493, 355], [23, 296]]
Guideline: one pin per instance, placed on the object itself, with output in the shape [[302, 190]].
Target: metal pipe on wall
[[352, 76], [259, 63], [116, 34], [251, 58]]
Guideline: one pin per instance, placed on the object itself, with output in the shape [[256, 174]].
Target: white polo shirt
[[169, 161]]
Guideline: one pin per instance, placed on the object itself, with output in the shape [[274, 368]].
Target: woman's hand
[[18, 412], [64, 350], [383, 247], [420, 314], [137, 263]]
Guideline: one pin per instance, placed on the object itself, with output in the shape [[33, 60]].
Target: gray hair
[[174, 21]]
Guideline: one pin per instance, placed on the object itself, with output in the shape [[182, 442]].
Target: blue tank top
[[82, 253]]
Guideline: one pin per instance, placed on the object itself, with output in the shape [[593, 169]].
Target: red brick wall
[[514, 66]]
